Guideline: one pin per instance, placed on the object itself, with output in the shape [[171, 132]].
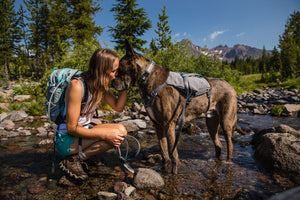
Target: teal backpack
[[55, 95]]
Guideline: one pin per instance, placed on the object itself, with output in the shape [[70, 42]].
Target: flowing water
[[25, 168]]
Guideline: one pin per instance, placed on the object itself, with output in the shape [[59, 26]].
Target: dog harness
[[188, 85]]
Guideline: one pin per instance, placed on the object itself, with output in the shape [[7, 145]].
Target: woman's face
[[114, 72]]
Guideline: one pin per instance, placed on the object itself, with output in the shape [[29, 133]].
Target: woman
[[102, 70]]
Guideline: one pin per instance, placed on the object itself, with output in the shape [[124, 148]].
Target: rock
[[16, 116], [148, 178], [41, 131], [8, 125], [279, 151], [120, 187], [102, 195], [21, 98], [282, 128], [140, 123], [135, 107], [291, 110], [25, 133], [65, 182], [36, 189], [3, 116], [45, 142], [292, 194], [4, 107], [129, 190], [248, 195], [130, 126]]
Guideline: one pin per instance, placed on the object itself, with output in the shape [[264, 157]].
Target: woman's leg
[[90, 147]]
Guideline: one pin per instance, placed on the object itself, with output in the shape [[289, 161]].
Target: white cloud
[[240, 34], [184, 34], [215, 34], [176, 35]]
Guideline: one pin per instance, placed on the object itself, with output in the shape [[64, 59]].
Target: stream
[[25, 168]]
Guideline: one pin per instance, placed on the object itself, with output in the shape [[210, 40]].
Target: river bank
[[27, 152]]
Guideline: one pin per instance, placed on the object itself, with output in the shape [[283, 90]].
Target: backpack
[[58, 82]]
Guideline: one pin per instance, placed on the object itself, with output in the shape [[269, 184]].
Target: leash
[[124, 159]]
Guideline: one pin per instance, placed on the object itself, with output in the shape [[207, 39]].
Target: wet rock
[[128, 191], [36, 189], [102, 195], [120, 187], [279, 151], [148, 178], [292, 194], [282, 128], [65, 182], [247, 195], [45, 142]]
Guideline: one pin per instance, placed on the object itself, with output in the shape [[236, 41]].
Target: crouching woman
[[76, 129]]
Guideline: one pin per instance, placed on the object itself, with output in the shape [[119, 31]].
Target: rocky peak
[[223, 52]]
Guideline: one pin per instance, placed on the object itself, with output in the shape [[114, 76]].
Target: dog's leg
[[212, 123], [163, 143], [171, 141], [228, 122]]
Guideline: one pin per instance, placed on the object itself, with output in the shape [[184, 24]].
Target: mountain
[[227, 53]]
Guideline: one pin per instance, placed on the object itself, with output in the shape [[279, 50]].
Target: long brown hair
[[97, 75]]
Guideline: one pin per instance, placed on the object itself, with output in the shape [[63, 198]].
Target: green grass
[[253, 81]]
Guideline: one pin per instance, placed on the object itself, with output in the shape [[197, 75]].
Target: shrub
[[277, 110]]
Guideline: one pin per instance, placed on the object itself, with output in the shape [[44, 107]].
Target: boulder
[[291, 194], [279, 150], [148, 178]]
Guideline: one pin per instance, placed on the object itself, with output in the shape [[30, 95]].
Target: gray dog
[[165, 103]]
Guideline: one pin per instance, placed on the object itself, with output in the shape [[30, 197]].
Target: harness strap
[[153, 94], [188, 100]]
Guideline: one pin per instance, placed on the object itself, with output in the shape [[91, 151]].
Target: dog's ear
[[129, 50]]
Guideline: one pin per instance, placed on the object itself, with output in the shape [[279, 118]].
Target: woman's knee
[[122, 129]]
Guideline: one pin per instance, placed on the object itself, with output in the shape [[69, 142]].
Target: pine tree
[[131, 24], [163, 32], [275, 64], [289, 42], [9, 36], [37, 31], [83, 26], [59, 28], [263, 65]]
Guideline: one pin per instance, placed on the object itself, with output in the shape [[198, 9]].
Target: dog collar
[[148, 71]]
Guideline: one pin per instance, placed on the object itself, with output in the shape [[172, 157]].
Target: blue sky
[[210, 23]]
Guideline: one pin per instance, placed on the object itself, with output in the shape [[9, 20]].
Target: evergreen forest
[[41, 35]]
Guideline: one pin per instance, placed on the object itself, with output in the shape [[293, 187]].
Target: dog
[[166, 106]]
